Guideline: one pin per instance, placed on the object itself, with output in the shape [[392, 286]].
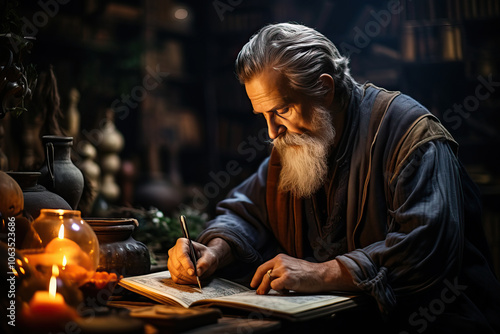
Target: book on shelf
[[455, 10], [432, 42], [231, 296]]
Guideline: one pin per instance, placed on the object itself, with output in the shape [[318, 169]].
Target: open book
[[222, 293]]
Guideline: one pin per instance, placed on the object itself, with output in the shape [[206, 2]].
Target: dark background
[[183, 133]]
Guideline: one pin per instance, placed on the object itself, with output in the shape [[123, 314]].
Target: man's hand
[[210, 258], [288, 273]]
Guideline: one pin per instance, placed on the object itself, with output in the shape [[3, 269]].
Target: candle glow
[[61, 232], [53, 282], [48, 309], [67, 242]]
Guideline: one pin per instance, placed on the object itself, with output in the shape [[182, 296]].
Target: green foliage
[[160, 232]]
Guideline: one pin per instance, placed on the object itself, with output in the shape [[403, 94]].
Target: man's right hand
[[210, 258]]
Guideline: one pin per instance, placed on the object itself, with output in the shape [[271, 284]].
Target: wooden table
[[361, 319]]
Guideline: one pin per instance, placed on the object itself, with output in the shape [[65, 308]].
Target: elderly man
[[362, 192]]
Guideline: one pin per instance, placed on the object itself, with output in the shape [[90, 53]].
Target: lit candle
[[62, 245], [48, 308], [76, 273], [75, 265], [74, 262], [73, 272]]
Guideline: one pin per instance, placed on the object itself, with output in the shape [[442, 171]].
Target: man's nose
[[274, 127]]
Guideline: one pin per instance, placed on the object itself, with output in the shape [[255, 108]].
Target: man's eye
[[283, 111]]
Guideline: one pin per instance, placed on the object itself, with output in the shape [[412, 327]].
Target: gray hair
[[301, 54]]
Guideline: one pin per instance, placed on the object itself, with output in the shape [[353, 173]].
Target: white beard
[[304, 157]]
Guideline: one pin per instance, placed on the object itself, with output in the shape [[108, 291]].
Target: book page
[[160, 287], [283, 303]]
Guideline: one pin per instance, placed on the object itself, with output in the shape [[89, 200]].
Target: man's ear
[[329, 86]]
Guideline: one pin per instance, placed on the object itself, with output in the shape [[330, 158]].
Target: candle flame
[[64, 262], [55, 270], [53, 287], [61, 232], [53, 282]]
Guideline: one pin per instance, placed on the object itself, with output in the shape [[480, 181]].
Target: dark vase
[[36, 196], [119, 252], [59, 174]]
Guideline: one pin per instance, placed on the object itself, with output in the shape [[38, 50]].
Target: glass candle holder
[[63, 239]]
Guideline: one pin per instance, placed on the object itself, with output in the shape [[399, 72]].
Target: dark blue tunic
[[411, 217]]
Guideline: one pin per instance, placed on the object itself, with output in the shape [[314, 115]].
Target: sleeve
[[240, 220], [425, 233]]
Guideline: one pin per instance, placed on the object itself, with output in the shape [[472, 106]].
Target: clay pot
[[11, 196], [12, 214], [119, 251], [59, 174], [36, 196]]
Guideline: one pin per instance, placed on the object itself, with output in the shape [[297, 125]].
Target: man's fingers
[[179, 263], [256, 279], [182, 267], [203, 265], [263, 277], [259, 274], [183, 279], [265, 284], [279, 284], [176, 270], [183, 258], [203, 262]]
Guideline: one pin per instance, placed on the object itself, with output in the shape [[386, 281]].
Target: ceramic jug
[[59, 174], [36, 196]]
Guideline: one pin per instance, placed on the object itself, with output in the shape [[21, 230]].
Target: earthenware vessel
[[119, 251], [59, 174]]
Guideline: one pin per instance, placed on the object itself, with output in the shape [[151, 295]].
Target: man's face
[[283, 110], [302, 133]]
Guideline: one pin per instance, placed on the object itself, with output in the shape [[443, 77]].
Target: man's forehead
[[267, 91]]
